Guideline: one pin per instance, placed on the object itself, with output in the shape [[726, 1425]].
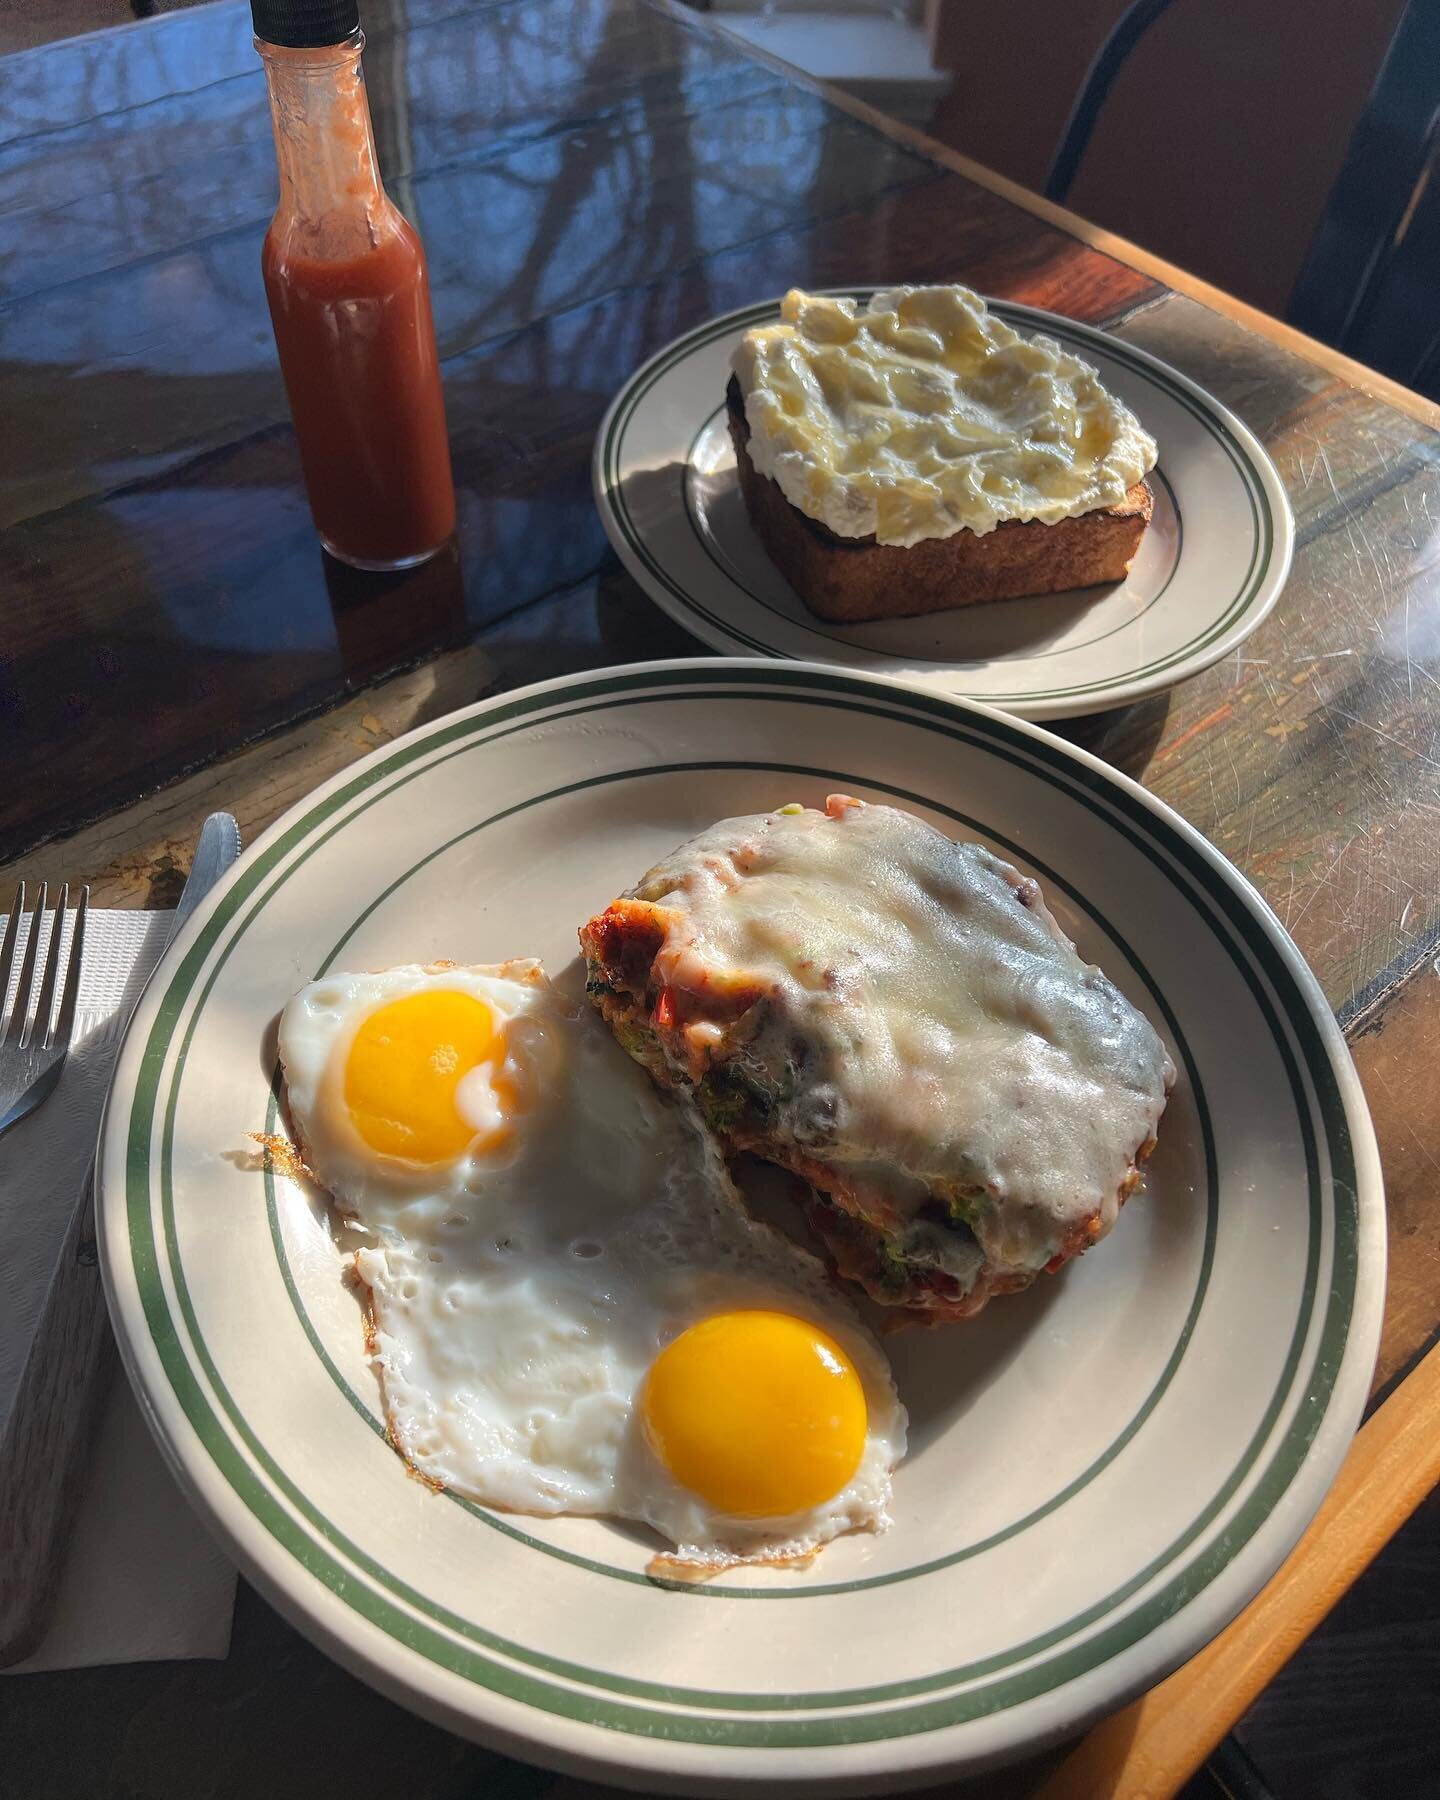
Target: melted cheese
[[923, 415], [920, 1018]]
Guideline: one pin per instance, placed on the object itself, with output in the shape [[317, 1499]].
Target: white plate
[[1102, 1470], [1210, 567]]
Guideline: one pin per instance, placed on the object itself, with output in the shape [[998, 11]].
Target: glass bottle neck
[[324, 141]]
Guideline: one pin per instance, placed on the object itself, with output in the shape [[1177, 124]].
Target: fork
[[34, 1038]]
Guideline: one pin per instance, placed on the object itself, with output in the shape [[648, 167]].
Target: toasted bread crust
[[850, 580]]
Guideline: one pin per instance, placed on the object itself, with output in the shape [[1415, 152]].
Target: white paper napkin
[[142, 1581]]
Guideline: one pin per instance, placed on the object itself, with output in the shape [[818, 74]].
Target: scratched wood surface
[[591, 177]]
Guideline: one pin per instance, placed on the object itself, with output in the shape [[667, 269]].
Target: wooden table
[[591, 177]]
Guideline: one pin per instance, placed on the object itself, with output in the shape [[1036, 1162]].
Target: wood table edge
[[1094, 237], [1149, 1749]]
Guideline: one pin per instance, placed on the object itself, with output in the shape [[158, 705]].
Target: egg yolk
[[405, 1065], [759, 1413]]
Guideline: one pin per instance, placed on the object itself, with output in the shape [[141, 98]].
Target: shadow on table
[[387, 618], [1125, 736]]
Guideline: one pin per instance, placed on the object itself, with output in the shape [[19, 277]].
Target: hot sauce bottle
[[350, 302]]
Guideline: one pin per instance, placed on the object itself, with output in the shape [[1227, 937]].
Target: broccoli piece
[[731, 1093], [966, 1208], [892, 1269], [722, 1105]]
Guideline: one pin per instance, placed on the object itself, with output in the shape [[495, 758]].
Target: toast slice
[[851, 580]]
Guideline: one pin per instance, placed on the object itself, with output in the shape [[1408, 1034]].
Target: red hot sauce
[[350, 302]]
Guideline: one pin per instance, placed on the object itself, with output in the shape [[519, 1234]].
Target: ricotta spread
[[922, 414]]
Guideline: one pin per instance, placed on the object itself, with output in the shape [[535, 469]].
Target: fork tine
[[45, 1005], [7, 949], [66, 1022], [20, 1016]]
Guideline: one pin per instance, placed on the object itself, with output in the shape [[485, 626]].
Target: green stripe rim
[[1228, 914], [1262, 519]]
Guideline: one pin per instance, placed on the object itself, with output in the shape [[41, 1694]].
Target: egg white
[[520, 1293]]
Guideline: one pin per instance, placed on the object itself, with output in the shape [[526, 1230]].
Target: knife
[[68, 1370]]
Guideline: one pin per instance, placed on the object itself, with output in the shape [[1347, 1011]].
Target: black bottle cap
[[304, 24]]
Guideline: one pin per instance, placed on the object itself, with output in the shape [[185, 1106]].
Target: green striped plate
[[1210, 567], [1101, 1471]]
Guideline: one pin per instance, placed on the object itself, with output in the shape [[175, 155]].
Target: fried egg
[[571, 1311]]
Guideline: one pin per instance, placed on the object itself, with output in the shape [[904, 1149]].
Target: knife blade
[[67, 1371], [217, 847]]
